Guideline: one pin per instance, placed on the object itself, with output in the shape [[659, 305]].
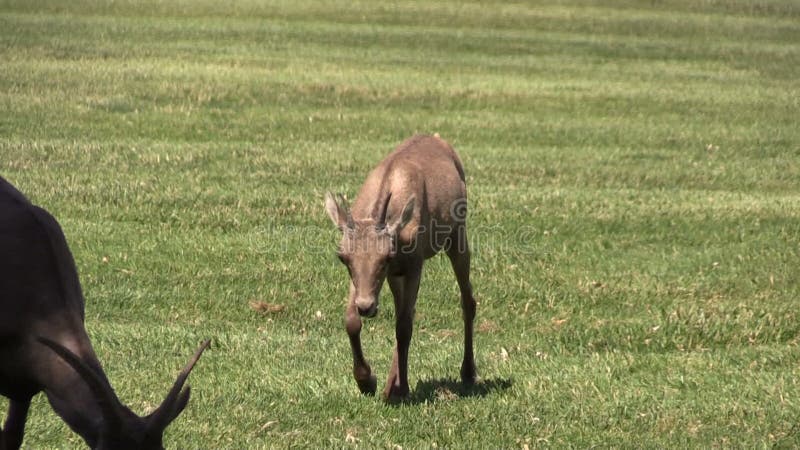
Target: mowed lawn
[[634, 178]]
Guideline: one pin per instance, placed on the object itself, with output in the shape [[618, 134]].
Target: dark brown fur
[[44, 345]]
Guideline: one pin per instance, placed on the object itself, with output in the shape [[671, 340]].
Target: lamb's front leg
[[404, 290], [367, 383]]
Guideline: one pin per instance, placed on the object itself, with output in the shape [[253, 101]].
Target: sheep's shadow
[[444, 389]]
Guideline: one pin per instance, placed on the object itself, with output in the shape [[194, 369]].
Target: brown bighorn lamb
[[411, 206], [44, 345]]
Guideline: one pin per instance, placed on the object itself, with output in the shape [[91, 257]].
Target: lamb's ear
[[338, 211], [405, 217]]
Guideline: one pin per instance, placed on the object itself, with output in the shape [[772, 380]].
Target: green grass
[[634, 179]]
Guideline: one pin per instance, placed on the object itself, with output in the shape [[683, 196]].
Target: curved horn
[[176, 400], [382, 215], [102, 391]]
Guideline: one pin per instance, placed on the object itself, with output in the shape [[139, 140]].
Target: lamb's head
[[366, 248]]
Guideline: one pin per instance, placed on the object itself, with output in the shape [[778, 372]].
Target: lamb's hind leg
[[367, 383], [14, 428], [458, 252]]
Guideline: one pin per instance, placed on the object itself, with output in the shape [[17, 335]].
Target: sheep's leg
[[367, 383], [458, 252], [14, 428], [404, 289]]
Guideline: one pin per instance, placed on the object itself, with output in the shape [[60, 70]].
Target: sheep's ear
[[405, 217], [338, 211]]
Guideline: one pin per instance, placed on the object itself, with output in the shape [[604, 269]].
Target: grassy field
[[634, 179]]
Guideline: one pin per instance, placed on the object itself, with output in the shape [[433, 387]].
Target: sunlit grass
[[634, 212]]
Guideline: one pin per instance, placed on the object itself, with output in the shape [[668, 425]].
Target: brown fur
[[411, 206]]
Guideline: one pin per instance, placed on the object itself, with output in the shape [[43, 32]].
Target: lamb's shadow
[[444, 389]]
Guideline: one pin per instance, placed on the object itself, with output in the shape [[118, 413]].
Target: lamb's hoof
[[368, 386], [469, 375]]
